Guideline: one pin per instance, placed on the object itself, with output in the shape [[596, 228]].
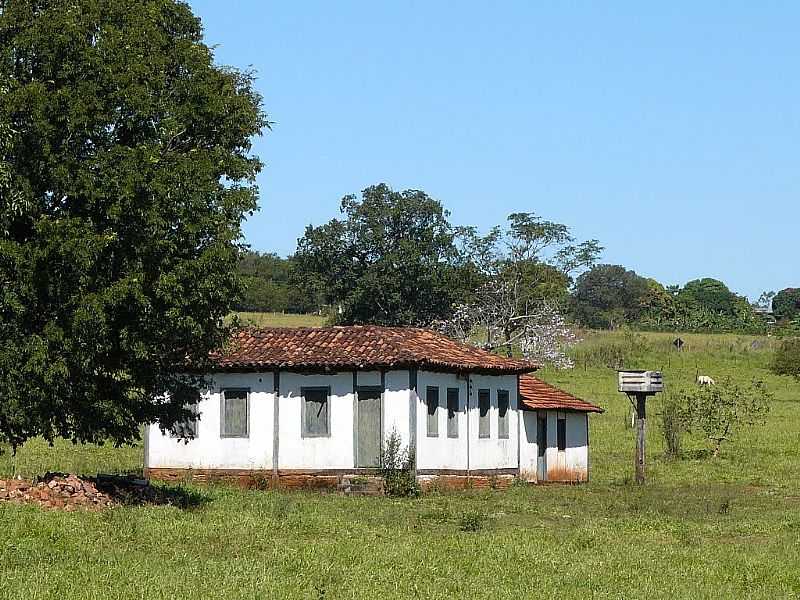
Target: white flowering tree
[[498, 320], [525, 272]]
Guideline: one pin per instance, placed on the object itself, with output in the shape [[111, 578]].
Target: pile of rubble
[[55, 491], [68, 492]]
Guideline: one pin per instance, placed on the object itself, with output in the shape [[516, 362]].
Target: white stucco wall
[[571, 463], [463, 452], [396, 405], [209, 450], [441, 452], [493, 452], [332, 452], [528, 448], [336, 451]]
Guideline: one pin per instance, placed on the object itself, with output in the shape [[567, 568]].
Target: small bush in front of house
[[472, 521], [397, 468]]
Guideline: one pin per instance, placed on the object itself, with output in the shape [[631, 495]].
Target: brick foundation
[[331, 480]]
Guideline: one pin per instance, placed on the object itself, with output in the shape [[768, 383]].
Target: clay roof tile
[[535, 394], [361, 347]]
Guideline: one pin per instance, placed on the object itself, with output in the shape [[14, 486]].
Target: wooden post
[[641, 426], [640, 385]]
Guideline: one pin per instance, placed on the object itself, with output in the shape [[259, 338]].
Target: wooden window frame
[[428, 389], [506, 419], [455, 412], [488, 418], [316, 388], [541, 449], [561, 433], [222, 433]]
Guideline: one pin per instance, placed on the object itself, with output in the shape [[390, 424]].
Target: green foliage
[[672, 422], [710, 294], [720, 410], [534, 256], [398, 466], [608, 296], [472, 521], [522, 275], [786, 304], [391, 260], [269, 286], [787, 358], [122, 190]]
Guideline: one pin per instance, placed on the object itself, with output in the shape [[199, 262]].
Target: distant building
[[765, 313], [306, 406]]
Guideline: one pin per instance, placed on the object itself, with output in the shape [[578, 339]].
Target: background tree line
[[394, 258]]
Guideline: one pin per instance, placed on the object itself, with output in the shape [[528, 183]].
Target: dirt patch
[[566, 475]]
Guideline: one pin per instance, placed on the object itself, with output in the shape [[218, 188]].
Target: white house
[[308, 406]]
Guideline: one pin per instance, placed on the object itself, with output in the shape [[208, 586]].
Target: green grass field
[[280, 320], [701, 528]]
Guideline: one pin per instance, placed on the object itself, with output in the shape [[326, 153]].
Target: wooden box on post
[[640, 385], [647, 382]]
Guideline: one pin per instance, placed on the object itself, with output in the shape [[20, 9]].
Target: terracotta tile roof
[[358, 347], [535, 394]]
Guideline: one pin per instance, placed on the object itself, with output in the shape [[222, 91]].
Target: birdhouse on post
[[639, 385]]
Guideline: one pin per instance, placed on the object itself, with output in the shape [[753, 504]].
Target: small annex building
[[308, 406]]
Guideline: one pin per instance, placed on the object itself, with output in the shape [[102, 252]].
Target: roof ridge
[[347, 346]]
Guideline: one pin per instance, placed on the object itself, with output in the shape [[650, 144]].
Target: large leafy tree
[[786, 304], [609, 296], [710, 294], [125, 173], [390, 260]]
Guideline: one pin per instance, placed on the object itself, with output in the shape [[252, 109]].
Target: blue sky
[[669, 133]]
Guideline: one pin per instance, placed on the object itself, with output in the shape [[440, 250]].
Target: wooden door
[[369, 427], [541, 444]]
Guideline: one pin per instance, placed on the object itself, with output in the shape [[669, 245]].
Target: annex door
[[369, 427], [541, 446]]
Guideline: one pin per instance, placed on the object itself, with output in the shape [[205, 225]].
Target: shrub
[[398, 468], [472, 521], [787, 358], [719, 410], [672, 423]]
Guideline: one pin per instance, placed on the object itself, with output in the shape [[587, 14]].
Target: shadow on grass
[[699, 454], [129, 491]]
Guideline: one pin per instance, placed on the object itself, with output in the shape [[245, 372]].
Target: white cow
[[705, 380]]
